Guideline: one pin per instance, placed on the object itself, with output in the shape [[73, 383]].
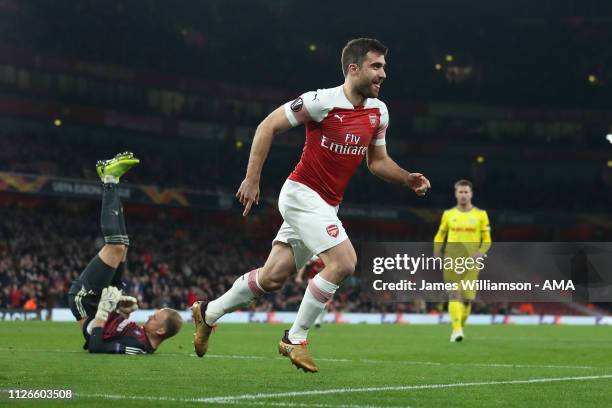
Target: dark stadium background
[[514, 96]]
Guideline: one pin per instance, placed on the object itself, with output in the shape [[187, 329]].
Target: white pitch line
[[333, 360], [501, 365], [200, 400], [305, 405], [544, 339], [136, 397], [235, 398], [258, 403], [251, 399], [339, 360], [230, 356]]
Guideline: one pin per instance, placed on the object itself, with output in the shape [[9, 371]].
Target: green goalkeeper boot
[[111, 170]]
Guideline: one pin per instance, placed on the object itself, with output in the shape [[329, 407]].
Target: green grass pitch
[[361, 366]]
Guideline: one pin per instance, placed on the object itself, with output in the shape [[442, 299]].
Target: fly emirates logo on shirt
[[350, 146]]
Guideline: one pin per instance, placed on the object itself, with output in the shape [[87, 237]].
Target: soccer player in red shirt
[[343, 125]]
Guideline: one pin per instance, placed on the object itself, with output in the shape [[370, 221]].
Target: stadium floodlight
[[609, 137]]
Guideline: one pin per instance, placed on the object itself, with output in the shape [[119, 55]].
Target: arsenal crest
[[332, 230], [373, 119]]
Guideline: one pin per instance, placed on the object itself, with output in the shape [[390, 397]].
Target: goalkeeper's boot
[[111, 170], [203, 330], [297, 353], [457, 336]]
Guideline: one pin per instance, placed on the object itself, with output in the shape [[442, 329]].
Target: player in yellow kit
[[464, 232]]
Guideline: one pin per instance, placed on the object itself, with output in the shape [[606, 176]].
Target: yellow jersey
[[465, 232]]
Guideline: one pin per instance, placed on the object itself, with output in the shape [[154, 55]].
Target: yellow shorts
[[450, 276]]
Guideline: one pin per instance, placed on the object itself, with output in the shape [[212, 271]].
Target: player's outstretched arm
[[275, 123], [383, 166]]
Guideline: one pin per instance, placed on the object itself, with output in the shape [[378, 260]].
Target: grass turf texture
[[243, 360]]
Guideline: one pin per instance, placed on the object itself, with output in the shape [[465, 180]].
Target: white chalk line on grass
[[500, 365], [301, 404], [252, 399], [231, 402], [232, 399], [542, 339], [340, 360]]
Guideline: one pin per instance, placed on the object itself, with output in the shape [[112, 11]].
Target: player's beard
[[366, 89]]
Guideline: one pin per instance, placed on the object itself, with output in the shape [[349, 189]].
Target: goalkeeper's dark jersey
[[119, 335]]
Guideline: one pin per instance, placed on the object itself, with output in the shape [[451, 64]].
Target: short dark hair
[[174, 322], [463, 183], [355, 51]]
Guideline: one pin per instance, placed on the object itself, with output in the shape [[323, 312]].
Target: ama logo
[[333, 230]]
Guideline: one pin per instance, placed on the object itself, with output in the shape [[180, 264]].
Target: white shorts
[[311, 225]]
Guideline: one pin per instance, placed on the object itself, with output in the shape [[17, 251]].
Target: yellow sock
[[466, 313], [455, 310]]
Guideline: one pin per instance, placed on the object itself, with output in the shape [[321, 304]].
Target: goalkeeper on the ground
[[95, 299]]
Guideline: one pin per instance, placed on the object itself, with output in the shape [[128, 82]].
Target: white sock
[[317, 294], [243, 291], [320, 317]]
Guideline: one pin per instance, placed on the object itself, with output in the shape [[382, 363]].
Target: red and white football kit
[[338, 135]]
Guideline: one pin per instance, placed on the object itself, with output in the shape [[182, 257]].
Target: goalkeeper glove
[[127, 304], [108, 302]]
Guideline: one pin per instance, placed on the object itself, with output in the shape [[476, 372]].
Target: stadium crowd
[[170, 263]]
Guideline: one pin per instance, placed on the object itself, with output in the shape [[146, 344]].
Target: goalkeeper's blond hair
[[173, 323]]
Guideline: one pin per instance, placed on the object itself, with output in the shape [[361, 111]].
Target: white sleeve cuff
[[378, 142], [289, 114]]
